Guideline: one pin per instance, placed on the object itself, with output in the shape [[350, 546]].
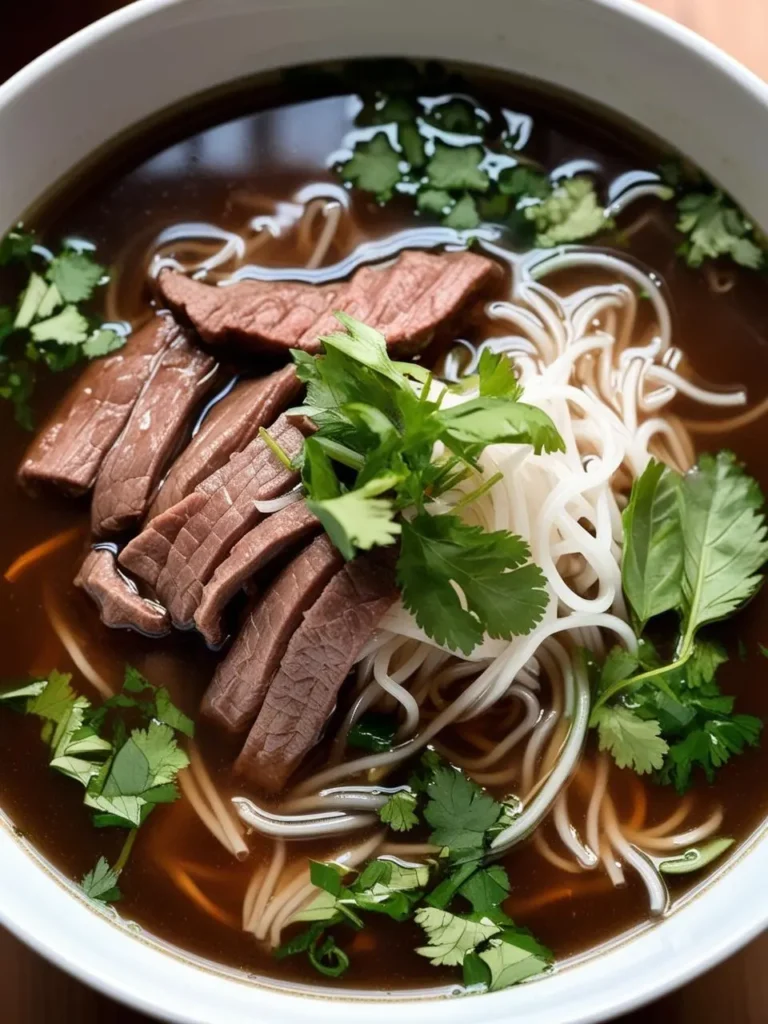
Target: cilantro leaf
[[168, 713], [653, 544], [102, 343], [463, 216], [633, 742], [486, 889], [21, 692], [75, 275], [359, 519], [456, 168], [459, 811], [496, 375], [710, 747], [101, 883], [69, 327], [572, 212], [726, 540], [493, 420], [30, 300], [524, 182], [451, 937], [399, 812], [434, 200], [374, 167], [513, 957], [158, 745], [16, 246], [715, 227], [505, 596], [17, 382]]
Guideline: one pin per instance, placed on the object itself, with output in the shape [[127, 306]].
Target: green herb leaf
[[102, 343], [524, 182], [451, 937], [69, 327], [101, 883], [634, 742], [374, 167], [456, 168], [505, 596], [434, 200], [514, 957], [399, 812], [496, 375], [571, 213], [486, 889], [464, 215], [359, 519], [725, 537], [168, 713], [459, 811], [75, 275], [715, 227], [653, 544]]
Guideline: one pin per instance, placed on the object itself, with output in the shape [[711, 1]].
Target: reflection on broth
[[524, 723]]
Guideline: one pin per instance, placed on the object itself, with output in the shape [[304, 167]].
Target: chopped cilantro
[[463, 216], [374, 732], [570, 214], [47, 325], [456, 168], [101, 883], [633, 742], [125, 777], [399, 812], [374, 167]]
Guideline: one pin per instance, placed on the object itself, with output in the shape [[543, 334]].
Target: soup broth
[[220, 173]]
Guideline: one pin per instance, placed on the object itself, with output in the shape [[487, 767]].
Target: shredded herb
[[48, 324], [125, 774]]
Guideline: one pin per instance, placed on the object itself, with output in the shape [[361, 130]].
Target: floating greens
[[48, 324], [456, 898], [125, 774]]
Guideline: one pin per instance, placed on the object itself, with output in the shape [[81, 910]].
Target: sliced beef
[[146, 555], [69, 449], [258, 547], [240, 684], [319, 657], [132, 469], [406, 301], [117, 597], [210, 529], [230, 426]]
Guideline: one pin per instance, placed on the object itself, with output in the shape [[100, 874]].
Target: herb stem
[[644, 677], [275, 448], [341, 453], [478, 491], [125, 853]]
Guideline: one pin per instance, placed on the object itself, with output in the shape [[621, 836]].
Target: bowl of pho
[[383, 607]]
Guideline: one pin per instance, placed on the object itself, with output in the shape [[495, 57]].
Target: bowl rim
[[281, 1003]]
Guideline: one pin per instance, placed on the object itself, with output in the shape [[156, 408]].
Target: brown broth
[[279, 148]]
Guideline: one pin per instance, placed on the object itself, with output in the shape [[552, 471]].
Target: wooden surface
[[33, 992]]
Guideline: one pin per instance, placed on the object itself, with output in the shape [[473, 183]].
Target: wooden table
[[33, 992]]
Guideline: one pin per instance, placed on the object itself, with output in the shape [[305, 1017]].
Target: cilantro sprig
[[372, 475], [48, 324], [694, 545], [712, 225], [423, 137], [456, 898], [125, 774]]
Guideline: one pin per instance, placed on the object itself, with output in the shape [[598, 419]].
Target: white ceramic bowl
[[114, 74]]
